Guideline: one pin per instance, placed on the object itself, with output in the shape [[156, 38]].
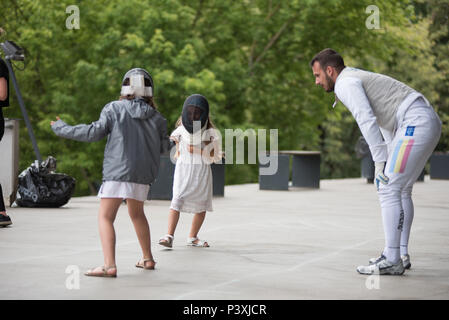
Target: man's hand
[[379, 175]]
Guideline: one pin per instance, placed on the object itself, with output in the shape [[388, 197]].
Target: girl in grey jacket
[[137, 135]]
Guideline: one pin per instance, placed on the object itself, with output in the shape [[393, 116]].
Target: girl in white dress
[[197, 146]]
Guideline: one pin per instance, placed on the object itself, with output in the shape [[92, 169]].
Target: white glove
[[379, 175]]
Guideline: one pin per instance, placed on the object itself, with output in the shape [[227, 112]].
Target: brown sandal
[[142, 264], [104, 272]]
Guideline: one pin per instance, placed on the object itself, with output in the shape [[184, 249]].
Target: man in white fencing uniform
[[401, 129]]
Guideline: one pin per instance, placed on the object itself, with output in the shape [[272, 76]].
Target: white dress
[[192, 183]]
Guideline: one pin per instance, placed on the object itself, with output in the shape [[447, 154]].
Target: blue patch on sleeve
[[410, 130]]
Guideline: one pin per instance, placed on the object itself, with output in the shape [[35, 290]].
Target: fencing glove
[[379, 175]]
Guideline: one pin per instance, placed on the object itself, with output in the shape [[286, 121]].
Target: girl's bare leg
[[140, 222], [173, 218], [106, 217], [197, 222]]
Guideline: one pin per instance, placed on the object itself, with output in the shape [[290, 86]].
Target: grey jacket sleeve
[[84, 132], [165, 142]]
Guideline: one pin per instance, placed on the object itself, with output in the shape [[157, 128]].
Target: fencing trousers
[[408, 152]]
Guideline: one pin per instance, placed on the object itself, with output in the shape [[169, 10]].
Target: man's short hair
[[329, 57]]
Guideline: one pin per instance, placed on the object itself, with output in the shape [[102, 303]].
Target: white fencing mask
[[137, 82]]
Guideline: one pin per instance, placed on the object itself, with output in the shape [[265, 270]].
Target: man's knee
[[407, 192], [389, 195]]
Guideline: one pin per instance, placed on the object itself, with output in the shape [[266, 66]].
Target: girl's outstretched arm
[[83, 132]]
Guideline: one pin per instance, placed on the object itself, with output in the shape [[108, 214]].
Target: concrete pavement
[[296, 244]]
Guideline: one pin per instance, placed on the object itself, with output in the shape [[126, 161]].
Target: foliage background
[[250, 58]]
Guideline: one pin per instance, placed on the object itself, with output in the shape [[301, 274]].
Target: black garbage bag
[[40, 186]]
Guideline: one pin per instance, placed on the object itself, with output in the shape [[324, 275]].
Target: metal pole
[[24, 111]]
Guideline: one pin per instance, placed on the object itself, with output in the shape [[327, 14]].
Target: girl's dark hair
[[148, 100], [329, 57]]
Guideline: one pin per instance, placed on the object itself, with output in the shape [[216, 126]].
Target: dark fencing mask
[[195, 113]]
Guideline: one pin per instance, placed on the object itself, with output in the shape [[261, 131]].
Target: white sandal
[[200, 243], [168, 241]]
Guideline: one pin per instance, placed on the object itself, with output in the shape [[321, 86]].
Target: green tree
[[439, 34], [250, 58]]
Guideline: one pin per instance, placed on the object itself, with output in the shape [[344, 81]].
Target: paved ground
[[297, 244]]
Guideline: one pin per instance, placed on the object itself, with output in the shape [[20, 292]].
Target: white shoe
[[405, 260], [378, 259], [382, 267]]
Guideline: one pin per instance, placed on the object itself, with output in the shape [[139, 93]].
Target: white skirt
[[124, 190], [192, 188]]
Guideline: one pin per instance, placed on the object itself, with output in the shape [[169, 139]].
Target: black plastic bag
[[39, 186]]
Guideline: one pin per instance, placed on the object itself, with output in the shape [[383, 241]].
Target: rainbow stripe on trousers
[[400, 155]]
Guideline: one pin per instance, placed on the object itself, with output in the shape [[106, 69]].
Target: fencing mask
[[137, 82], [194, 112]]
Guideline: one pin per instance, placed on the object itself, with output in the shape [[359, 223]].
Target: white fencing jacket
[[378, 104]]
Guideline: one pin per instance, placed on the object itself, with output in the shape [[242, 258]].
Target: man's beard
[[330, 83]]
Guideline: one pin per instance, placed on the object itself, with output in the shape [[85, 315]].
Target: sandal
[[199, 243], [142, 264], [167, 241], [104, 272]]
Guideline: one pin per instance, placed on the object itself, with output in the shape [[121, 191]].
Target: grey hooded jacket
[[137, 135]]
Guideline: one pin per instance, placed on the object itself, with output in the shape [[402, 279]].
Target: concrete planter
[[305, 171], [162, 187], [218, 178], [279, 180], [439, 166], [367, 168]]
